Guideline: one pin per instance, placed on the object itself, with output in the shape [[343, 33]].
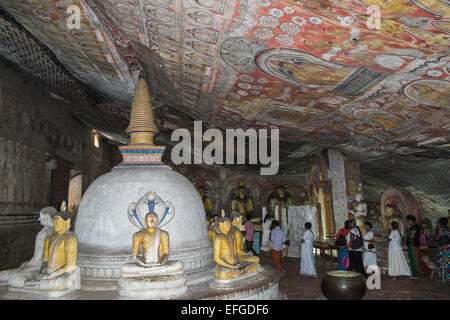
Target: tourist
[[355, 249], [277, 239], [418, 266], [267, 223], [249, 235], [341, 242], [370, 256], [398, 266], [443, 257], [307, 254]]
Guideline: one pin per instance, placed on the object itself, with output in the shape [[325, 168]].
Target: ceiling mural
[[369, 72]]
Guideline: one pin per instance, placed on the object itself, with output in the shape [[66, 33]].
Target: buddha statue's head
[[281, 192], [46, 216], [236, 218], [389, 209], [241, 190], [61, 222], [151, 220], [320, 174], [224, 225]]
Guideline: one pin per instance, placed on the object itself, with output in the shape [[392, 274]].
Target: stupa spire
[[142, 128], [141, 151]]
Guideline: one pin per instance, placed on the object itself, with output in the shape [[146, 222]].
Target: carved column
[[338, 184]]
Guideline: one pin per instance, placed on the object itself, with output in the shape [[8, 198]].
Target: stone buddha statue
[[59, 273], [390, 215], [236, 222], [46, 219], [282, 200], [359, 208], [228, 265], [153, 241], [242, 203], [207, 201], [152, 274]]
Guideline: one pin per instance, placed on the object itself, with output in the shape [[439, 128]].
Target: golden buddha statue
[[154, 243], [236, 222], [228, 265], [391, 215], [242, 203], [207, 201], [282, 200], [59, 270]]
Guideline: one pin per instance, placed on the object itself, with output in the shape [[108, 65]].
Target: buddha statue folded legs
[[59, 273], [228, 264], [152, 275]]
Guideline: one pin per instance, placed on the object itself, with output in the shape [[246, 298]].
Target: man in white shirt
[[277, 239]]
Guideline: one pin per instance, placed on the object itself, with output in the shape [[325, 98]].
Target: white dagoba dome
[[105, 233], [102, 226]]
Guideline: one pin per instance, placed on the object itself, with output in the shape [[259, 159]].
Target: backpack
[[341, 240], [357, 242]]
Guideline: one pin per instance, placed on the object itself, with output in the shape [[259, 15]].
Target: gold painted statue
[[207, 201], [154, 243], [242, 203], [283, 199], [228, 265], [59, 270], [236, 221], [391, 215]]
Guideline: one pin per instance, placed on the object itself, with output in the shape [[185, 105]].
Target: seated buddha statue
[[207, 201], [152, 274], [154, 244], [242, 203], [282, 200], [390, 215], [46, 219], [236, 222], [59, 270], [228, 265]]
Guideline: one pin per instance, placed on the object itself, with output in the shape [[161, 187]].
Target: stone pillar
[[339, 188]]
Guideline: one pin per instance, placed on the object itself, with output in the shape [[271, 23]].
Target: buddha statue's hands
[[44, 267], [163, 259]]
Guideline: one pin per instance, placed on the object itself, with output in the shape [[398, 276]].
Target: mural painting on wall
[[396, 204], [242, 201]]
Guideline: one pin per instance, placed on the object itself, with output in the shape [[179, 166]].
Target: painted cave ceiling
[[317, 70]]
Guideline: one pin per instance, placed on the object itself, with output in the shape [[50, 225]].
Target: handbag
[[371, 246], [346, 262]]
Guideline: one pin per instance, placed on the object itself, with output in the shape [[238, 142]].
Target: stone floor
[[297, 287]]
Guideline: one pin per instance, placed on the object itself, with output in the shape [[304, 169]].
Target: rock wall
[[36, 125]]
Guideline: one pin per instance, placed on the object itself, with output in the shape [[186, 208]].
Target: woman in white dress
[[370, 256], [398, 266], [307, 255], [265, 242]]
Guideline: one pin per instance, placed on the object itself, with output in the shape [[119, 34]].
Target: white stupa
[[102, 227]]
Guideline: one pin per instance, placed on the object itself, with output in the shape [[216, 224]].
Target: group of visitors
[[357, 252], [277, 239], [357, 249]]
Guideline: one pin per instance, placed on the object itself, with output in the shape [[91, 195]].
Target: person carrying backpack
[[341, 242], [355, 249]]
